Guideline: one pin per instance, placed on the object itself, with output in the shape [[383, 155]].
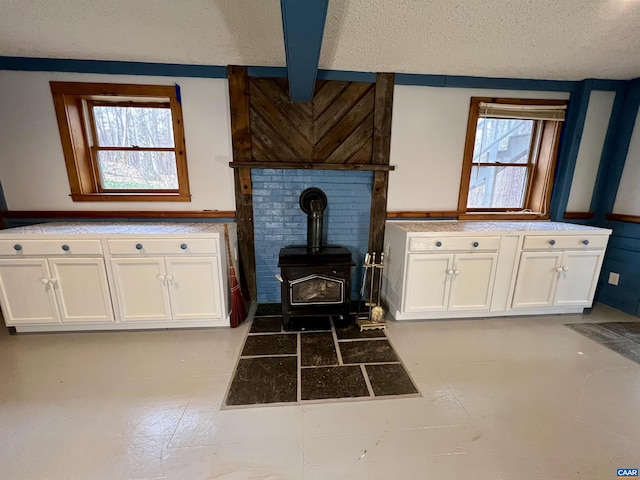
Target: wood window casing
[[540, 166], [78, 135]]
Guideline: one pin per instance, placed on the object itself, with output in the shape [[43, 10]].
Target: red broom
[[238, 312]]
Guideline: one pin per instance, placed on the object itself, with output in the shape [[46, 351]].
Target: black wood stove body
[[315, 283], [316, 279]]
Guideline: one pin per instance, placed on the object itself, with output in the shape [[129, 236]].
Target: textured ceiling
[[547, 39]]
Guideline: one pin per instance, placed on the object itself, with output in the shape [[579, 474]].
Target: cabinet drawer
[[50, 247], [421, 244], [560, 242], [165, 246]]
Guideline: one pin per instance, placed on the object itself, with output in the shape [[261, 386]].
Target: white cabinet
[[440, 282], [447, 269], [39, 290], [108, 276], [559, 278], [157, 289]]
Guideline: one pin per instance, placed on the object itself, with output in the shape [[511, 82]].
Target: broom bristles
[[238, 311]]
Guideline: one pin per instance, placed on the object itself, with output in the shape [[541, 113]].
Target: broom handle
[[226, 238]]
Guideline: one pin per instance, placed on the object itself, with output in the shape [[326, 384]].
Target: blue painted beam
[[569, 146], [303, 26], [32, 64]]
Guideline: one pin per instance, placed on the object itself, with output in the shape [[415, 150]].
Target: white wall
[[32, 167], [628, 197], [427, 143], [588, 161]]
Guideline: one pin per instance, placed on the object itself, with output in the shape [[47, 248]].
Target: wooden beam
[[623, 218], [578, 215], [380, 156], [303, 26], [241, 146], [312, 166]]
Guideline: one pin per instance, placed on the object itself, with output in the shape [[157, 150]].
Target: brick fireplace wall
[[279, 221]]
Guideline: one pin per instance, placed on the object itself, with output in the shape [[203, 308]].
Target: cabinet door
[[27, 293], [194, 287], [141, 291], [537, 279], [472, 281], [579, 278], [427, 282], [81, 289]]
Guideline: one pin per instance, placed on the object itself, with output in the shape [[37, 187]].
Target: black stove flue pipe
[[313, 202]]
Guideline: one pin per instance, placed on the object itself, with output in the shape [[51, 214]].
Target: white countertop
[[495, 226], [111, 228]]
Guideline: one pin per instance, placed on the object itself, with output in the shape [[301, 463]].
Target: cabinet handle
[[17, 247], [161, 278], [53, 281], [456, 272], [169, 278], [44, 281], [438, 243], [552, 242], [65, 248], [476, 244], [558, 269], [183, 246], [585, 242], [138, 246], [565, 269], [449, 272]]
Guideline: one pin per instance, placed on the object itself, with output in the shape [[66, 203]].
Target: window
[[122, 142], [510, 157]]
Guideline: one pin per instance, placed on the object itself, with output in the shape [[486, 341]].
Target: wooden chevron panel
[[336, 127]]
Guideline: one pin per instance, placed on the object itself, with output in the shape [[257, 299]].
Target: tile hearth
[[320, 361]]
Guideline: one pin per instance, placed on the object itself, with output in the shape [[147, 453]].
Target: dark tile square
[[264, 380], [367, 351], [317, 349], [276, 344], [266, 324], [310, 324], [595, 332], [332, 382], [390, 379], [352, 331], [268, 310], [628, 330]]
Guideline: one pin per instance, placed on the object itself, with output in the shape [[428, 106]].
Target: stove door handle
[[279, 278]]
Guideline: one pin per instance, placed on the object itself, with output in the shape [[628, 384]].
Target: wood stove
[[315, 284], [316, 279]]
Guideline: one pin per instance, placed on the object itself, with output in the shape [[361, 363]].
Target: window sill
[[502, 216], [130, 197]]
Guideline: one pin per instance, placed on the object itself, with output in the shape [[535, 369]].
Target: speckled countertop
[[506, 226], [111, 228]]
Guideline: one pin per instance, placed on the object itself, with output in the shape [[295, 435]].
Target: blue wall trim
[[607, 85], [456, 81], [267, 72], [111, 67], [620, 149], [303, 25], [568, 152]]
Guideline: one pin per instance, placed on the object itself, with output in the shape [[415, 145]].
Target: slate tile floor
[[319, 362], [621, 337]]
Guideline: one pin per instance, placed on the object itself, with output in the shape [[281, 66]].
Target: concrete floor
[[517, 398]]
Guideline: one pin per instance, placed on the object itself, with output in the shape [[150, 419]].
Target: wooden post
[[241, 140], [381, 150]]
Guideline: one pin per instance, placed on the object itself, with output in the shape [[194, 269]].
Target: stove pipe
[[315, 220], [313, 201]]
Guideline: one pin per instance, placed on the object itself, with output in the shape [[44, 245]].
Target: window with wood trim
[[122, 142], [510, 157]]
